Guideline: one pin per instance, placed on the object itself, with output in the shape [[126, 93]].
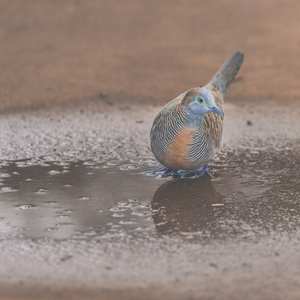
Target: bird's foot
[[203, 172], [164, 172]]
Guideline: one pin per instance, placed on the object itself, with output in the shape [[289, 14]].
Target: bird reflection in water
[[186, 205]]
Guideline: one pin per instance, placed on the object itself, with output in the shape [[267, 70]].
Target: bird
[[187, 132]]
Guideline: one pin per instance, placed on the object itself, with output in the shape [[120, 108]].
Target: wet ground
[[82, 215]]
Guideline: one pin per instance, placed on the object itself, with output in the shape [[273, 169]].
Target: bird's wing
[[213, 123]]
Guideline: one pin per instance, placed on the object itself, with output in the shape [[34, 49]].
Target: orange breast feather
[[175, 156]]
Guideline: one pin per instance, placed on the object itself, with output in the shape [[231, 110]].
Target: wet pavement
[[83, 216]]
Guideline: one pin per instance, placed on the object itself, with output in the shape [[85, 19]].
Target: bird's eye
[[200, 100]]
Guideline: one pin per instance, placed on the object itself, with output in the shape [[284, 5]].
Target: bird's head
[[199, 101]]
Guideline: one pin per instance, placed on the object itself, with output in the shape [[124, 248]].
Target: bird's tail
[[227, 72]]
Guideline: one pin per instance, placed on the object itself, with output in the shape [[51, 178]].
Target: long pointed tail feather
[[227, 72]]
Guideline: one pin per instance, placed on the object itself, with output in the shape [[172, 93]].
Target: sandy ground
[[78, 82], [144, 51]]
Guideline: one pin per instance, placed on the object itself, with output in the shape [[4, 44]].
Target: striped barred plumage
[[201, 150], [166, 126], [187, 132], [202, 146]]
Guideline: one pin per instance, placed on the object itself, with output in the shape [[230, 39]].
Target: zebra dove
[[187, 132]]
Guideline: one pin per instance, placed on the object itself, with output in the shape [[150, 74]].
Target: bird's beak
[[217, 110]]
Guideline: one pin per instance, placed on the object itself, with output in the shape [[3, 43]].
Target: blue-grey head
[[199, 101]]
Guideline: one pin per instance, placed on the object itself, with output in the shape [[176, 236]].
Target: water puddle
[[252, 195], [72, 199]]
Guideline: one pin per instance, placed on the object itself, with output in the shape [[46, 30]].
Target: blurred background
[[144, 51]]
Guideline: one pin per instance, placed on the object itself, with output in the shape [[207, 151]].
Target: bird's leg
[[164, 169], [203, 171], [165, 172], [172, 172]]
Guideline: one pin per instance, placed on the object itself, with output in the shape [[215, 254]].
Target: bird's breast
[[176, 153]]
